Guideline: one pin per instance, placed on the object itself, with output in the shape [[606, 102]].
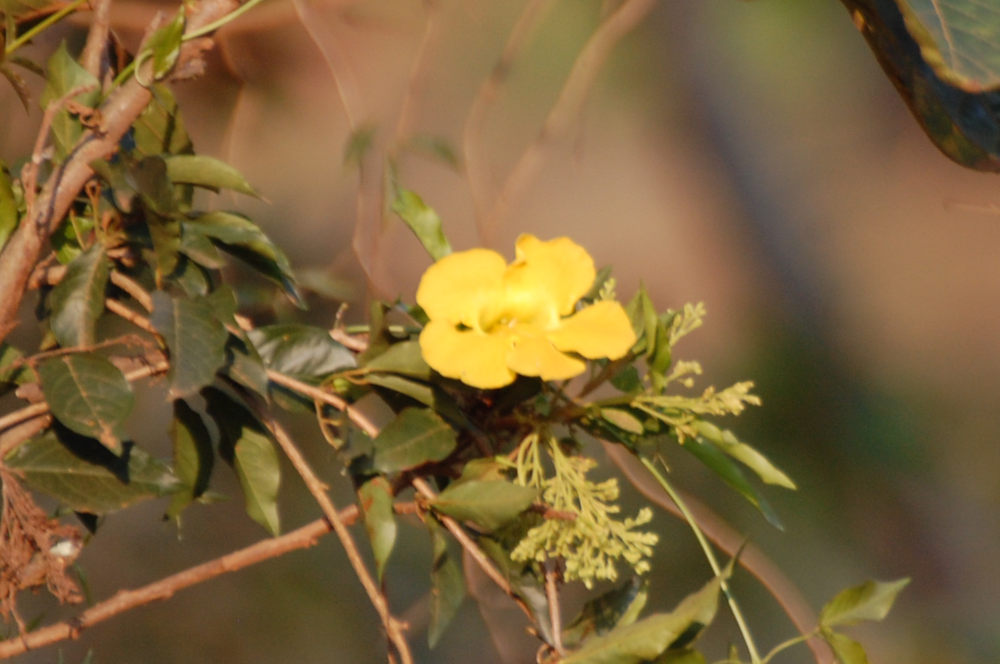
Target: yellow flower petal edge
[[490, 321]]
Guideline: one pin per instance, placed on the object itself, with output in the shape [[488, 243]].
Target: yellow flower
[[490, 321]]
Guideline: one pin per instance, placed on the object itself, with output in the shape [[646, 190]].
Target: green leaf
[[401, 358], [845, 649], [245, 366], [242, 238], [78, 300], [193, 456], [160, 128], [616, 608], [489, 504], [63, 76], [723, 466], [375, 498], [869, 601], [429, 395], [958, 38], [649, 637], [623, 419], [195, 338], [84, 476], [423, 221], [9, 374], [415, 437], [151, 181], [8, 206], [447, 587], [165, 45], [204, 171], [88, 394], [246, 445], [302, 351], [745, 454], [685, 656]]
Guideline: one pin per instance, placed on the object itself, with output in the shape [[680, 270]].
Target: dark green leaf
[[488, 504], [204, 171], [302, 351], [723, 466], [151, 181], [193, 456], [627, 380], [745, 454], [245, 366], [447, 587], [648, 638], [84, 476], [375, 498], [616, 608], [845, 649], [401, 358], [160, 128], [423, 221], [243, 239], [88, 394], [195, 339], [78, 300], [523, 582], [416, 436], [869, 601], [429, 395], [245, 444], [8, 206]]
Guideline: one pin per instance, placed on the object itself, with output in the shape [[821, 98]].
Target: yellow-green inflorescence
[[586, 536]]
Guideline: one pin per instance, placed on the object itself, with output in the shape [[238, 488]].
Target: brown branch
[[393, 627], [132, 287], [117, 114], [726, 538], [97, 38], [566, 107]]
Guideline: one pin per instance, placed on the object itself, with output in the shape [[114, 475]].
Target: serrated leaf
[[84, 476], [63, 75], [303, 351], [401, 358], [195, 339], [194, 456], [78, 300], [845, 649], [616, 608], [88, 394], [8, 206], [242, 238], [447, 586], [375, 498], [489, 504], [205, 171], [423, 221], [245, 444], [649, 637], [745, 454], [869, 601], [415, 437]]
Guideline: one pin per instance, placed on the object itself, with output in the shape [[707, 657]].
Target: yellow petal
[[601, 330], [459, 285], [476, 359], [535, 356], [560, 267]]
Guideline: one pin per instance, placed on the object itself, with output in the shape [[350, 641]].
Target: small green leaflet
[[745, 454], [165, 45], [63, 76], [375, 498], [195, 338], [245, 444], [8, 206], [85, 477], [489, 504], [194, 456], [88, 394], [415, 437], [845, 649], [869, 601], [423, 221], [204, 171], [78, 300]]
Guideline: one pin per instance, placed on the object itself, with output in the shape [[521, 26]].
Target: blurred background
[[751, 155]]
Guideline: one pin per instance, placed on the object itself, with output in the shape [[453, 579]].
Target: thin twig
[[472, 134], [394, 629], [552, 595], [566, 107], [132, 287], [137, 319], [356, 416], [97, 38]]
